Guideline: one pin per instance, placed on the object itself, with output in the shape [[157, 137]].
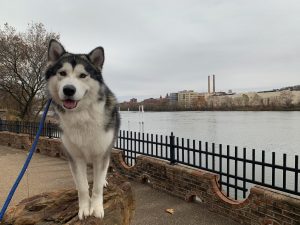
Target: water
[[269, 131]]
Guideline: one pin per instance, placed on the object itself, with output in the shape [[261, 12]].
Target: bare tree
[[226, 102], [286, 98], [238, 101], [245, 99], [211, 102], [23, 57], [256, 100], [275, 101]]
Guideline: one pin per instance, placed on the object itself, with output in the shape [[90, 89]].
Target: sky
[[157, 47]]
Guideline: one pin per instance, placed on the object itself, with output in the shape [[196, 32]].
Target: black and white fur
[[88, 117]]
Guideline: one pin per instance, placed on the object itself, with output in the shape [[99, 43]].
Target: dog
[[88, 116]]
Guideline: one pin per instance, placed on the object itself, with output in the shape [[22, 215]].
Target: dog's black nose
[[69, 90]]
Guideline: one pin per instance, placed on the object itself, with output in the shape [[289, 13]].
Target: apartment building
[[188, 98], [173, 98]]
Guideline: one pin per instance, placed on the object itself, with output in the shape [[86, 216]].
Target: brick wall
[[262, 207], [46, 146]]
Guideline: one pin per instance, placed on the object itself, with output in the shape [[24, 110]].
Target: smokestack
[[214, 84], [208, 84]]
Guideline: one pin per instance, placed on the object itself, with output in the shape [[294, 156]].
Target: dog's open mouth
[[70, 104]]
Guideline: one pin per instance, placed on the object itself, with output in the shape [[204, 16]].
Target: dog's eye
[[82, 75], [63, 73]]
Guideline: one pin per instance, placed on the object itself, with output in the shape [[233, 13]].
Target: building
[[173, 98], [189, 98], [133, 100]]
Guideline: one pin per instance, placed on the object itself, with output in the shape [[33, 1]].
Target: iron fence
[[238, 168], [50, 130]]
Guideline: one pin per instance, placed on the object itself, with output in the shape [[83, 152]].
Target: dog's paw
[[96, 209], [84, 211]]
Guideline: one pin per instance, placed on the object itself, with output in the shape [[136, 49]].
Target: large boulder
[[61, 207]]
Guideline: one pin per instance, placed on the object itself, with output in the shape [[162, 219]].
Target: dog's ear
[[97, 57], [55, 51]]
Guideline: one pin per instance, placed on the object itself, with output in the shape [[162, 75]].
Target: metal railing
[[50, 130], [239, 169]]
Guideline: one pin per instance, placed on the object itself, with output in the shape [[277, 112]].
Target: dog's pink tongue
[[70, 104]]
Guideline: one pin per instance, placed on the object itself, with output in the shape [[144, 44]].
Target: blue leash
[[21, 174]]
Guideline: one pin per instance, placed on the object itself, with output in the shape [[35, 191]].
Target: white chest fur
[[84, 133]]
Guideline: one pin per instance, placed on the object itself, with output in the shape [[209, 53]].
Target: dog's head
[[74, 80]]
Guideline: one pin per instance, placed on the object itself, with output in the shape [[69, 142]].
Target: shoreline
[[219, 110]]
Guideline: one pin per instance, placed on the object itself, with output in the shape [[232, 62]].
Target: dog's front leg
[[100, 166], [79, 172]]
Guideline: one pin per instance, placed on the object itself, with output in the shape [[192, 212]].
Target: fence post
[[172, 149], [17, 127], [49, 126]]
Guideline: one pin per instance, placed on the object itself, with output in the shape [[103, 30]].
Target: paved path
[[48, 174]]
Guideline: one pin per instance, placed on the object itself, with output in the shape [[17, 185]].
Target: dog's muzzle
[[69, 91]]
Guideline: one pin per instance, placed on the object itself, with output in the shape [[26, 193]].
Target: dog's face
[[74, 80]]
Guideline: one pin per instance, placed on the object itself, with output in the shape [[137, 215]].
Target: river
[[269, 131]]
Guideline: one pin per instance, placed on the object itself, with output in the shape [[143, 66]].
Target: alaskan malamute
[[88, 117]]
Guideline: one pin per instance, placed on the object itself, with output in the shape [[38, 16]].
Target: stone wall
[[46, 146], [262, 207]]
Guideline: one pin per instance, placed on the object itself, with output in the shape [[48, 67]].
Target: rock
[[61, 207]]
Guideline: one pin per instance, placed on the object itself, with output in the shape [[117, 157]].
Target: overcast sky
[[154, 47]]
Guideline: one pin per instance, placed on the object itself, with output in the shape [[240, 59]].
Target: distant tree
[[275, 102], [199, 103], [238, 101], [202, 103], [226, 102], [286, 98], [266, 102], [23, 57], [6, 101], [256, 100], [211, 103], [245, 99]]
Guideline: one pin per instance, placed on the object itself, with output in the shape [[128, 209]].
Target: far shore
[[218, 110]]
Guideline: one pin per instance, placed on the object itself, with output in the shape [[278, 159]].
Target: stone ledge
[[61, 207]]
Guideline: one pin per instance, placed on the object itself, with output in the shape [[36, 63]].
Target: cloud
[[155, 47]]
